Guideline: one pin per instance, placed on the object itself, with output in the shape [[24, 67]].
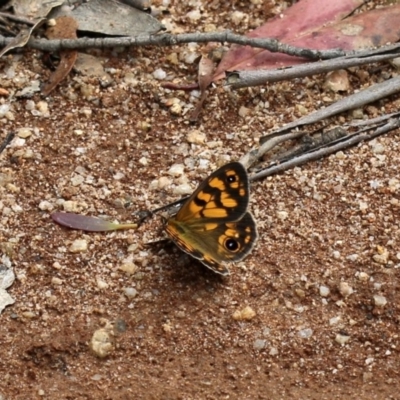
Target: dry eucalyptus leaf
[[65, 28], [115, 19], [34, 9]]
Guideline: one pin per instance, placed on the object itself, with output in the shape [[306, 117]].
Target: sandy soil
[[322, 282]]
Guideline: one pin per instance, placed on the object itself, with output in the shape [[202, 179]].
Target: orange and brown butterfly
[[213, 225]]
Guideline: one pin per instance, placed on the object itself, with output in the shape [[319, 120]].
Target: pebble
[[196, 137], [345, 289], [101, 343], [282, 215], [378, 148], [273, 351], [362, 276], [43, 108], [45, 206], [237, 17], [324, 291], [352, 257], [246, 314], [380, 301], [335, 320], [337, 81], [144, 161], [259, 344], [70, 206], [159, 74], [194, 15], [101, 284], [175, 109], [382, 257], [5, 300], [176, 170], [78, 246], [77, 180], [342, 339], [56, 281], [130, 292], [24, 132], [183, 189], [336, 255], [305, 333], [4, 109], [129, 267]]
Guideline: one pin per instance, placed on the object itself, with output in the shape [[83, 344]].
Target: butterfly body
[[213, 225]]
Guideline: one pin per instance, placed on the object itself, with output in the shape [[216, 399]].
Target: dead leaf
[[297, 26], [113, 18], [206, 68], [37, 12], [65, 28]]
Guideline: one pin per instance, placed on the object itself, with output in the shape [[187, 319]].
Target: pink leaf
[[315, 24], [86, 223]]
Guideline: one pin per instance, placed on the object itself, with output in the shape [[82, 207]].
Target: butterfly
[[213, 225]]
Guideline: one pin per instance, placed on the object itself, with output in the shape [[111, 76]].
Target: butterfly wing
[[213, 225], [223, 196], [215, 243]]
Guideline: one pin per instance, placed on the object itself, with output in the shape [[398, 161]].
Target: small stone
[[101, 284], [237, 17], [345, 289], [305, 333], [77, 180], [70, 206], [175, 109], [378, 148], [183, 189], [324, 291], [78, 246], [380, 301], [144, 161], [259, 344], [159, 74], [43, 108], [382, 257], [24, 132], [273, 351], [334, 320], [167, 328], [337, 81], [163, 182], [369, 360], [282, 215], [130, 292], [352, 257], [244, 111], [196, 137], [46, 206], [5, 300], [194, 15], [336, 255], [246, 314], [362, 276], [56, 281], [101, 343], [342, 339], [129, 267], [176, 170]]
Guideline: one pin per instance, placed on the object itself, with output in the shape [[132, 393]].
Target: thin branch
[[241, 79], [349, 141], [166, 39]]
